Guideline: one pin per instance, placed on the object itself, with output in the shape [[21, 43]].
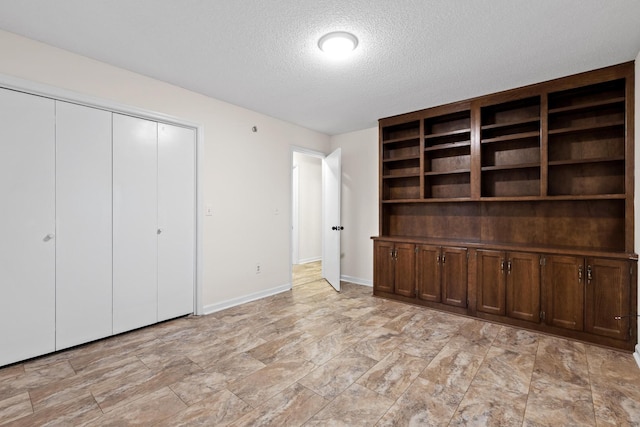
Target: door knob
[[48, 237], [159, 230]]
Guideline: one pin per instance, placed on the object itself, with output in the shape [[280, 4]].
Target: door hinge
[[543, 261]]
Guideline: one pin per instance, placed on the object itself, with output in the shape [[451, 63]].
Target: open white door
[[331, 182]]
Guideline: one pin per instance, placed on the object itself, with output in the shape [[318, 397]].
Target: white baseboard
[[357, 280], [636, 355], [212, 308], [309, 260]]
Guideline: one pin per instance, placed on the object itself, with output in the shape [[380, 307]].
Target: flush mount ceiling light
[[338, 44]]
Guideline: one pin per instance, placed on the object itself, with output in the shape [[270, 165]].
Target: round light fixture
[[338, 43]]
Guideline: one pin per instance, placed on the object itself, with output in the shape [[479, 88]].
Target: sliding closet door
[[27, 229], [176, 221], [83, 223], [135, 201]]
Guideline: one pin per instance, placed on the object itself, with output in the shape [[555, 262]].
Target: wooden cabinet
[[545, 169], [508, 284], [394, 266], [588, 294], [441, 274]]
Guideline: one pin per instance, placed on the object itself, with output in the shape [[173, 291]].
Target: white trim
[[309, 260], [39, 89], [212, 308], [356, 280], [636, 355]]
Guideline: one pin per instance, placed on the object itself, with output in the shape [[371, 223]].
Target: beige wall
[[359, 202], [246, 175]]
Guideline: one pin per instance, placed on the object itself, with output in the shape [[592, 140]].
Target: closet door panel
[[176, 221], [135, 201], [83, 222], [27, 245]]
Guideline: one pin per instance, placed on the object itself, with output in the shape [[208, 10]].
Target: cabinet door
[[383, 271], [428, 273], [607, 296], [135, 212], [405, 269], [491, 282], [176, 221], [83, 223], [454, 276], [523, 286], [27, 247], [564, 284]]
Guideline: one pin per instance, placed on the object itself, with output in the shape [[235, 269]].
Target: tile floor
[[314, 357]]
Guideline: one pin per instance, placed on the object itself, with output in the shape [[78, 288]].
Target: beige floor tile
[[148, 410], [292, 407], [379, 343], [490, 406], [424, 403], [506, 370], [356, 406], [270, 380], [335, 376], [217, 409], [15, 407], [392, 375], [82, 411]]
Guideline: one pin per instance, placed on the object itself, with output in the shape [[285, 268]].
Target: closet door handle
[[159, 231], [48, 237]]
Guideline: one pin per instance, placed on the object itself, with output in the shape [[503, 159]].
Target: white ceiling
[[263, 54]]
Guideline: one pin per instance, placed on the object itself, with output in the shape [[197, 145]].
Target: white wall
[[246, 175], [309, 207], [359, 202]]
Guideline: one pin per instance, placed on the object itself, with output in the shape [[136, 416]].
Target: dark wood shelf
[[585, 161], [449, 133], [594, 126], [587, 106], [409, 175], [541, 175], [401, 159], [512, 137], [448, 146], [449, 172], [415, 138], [510, 124], [508, 167]]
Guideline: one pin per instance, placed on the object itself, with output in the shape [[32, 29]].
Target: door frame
[[311, 153], [47, 91]]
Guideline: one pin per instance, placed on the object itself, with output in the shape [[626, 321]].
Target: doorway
[[306, 218], [315, 217]]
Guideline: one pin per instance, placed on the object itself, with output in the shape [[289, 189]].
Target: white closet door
[[27, 228], [176, 221], [83, 223], [135, 201]]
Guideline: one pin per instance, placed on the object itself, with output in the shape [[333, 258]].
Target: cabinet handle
[[438, 259], [589, 274], [509, 267], [443, 258], [580, 274], [502, 265]]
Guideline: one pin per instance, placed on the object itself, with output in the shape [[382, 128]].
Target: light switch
[[208, 210]]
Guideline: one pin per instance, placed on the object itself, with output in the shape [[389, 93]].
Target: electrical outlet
[[258, 268]]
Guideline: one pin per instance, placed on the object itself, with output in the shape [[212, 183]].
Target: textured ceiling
[[263, 54]]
